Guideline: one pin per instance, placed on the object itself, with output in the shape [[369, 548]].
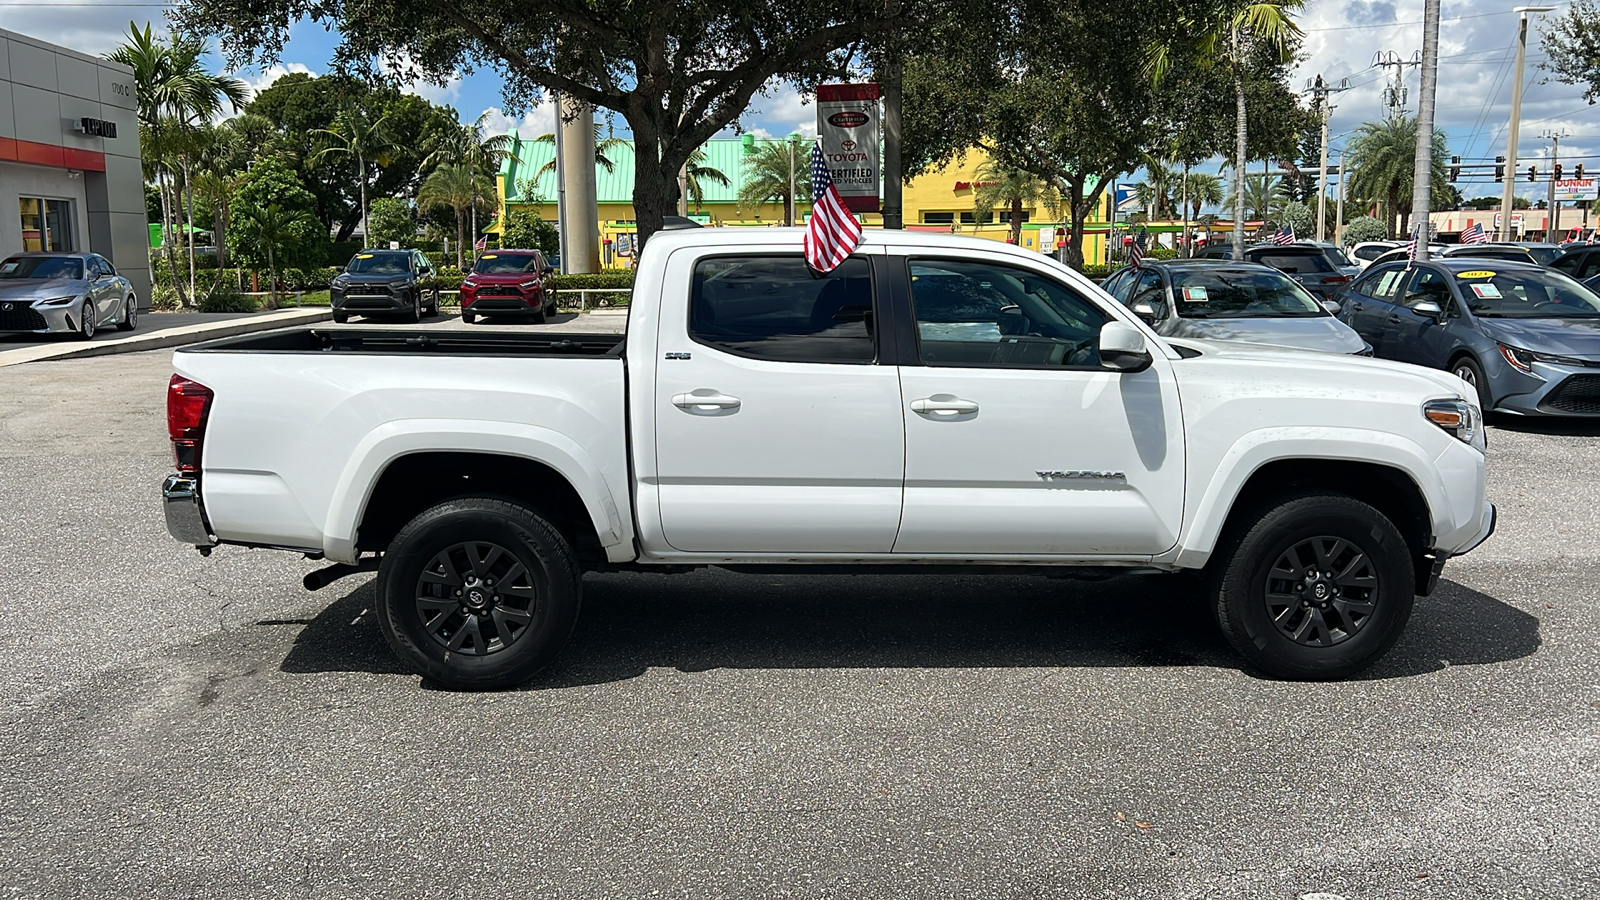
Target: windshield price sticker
[[489, 256], [363, 256], [1475, 273], [1195, 294], [1486, 291]]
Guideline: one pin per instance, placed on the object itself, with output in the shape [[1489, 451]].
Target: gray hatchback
[[1526, 337]]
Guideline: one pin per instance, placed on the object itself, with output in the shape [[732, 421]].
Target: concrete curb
[[173, 337]]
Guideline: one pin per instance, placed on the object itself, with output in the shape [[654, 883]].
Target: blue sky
[[1342, 38]]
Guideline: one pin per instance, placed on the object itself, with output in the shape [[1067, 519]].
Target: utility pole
[[1552, 211], [893, 205], [1319, 99], [1516, 118], [1338, 227], [1394, 96], [1422, 174]]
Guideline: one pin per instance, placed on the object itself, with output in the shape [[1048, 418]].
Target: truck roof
[[793, 237]]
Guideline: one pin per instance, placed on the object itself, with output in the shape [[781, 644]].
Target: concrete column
[[581, 206]]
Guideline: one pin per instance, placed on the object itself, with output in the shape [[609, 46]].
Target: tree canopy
[[1572, 47]]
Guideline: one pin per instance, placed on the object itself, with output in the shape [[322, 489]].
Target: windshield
[[1295, 262], [1544, 256], [1529, 294], [42, 267], [1372, 251], [506, 263], [1241, 294], [1337, 255], [380, 264]]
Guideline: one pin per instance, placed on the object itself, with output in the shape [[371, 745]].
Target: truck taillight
[[188, 402]]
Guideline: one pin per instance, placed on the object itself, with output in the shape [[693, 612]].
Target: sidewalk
[[154, 334]]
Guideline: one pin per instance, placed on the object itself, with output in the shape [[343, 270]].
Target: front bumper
[[365, 302], [1489, 518], [481, 302], [186, 520], [1551, 390], [18, 316]]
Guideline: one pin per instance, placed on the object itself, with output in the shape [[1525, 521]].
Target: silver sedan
[[74, 293]]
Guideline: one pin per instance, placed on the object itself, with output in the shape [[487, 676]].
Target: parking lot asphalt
[[183, 727]]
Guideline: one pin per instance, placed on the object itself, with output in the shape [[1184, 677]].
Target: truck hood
[[1329, 369], [1323, 333], [27, 290], [1577, 338]]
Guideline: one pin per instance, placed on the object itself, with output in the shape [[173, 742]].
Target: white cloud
[[539, 120], [782, 111], [264, 79]]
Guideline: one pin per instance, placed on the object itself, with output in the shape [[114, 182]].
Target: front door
[[1017, 442], [777, 430], [1416, 337]]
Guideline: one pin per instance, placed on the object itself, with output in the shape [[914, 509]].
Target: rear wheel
[[1313, 587], [130, 314], [1467, 369], [478, 594], [433, 308]]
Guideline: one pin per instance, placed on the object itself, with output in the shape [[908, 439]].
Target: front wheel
[[86, 320], [340, 317], [414, 315], [1315, 587], [1467, 369], [468, 316], [478, 594]]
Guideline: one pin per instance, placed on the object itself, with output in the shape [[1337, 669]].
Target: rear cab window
[[775, 308]]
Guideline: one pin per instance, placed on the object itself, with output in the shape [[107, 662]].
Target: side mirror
[[1122, 348], [548, 270], [1332, 306], [1427, 308], [339, 269], [1143, 310]]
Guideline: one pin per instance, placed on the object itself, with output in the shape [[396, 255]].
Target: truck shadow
[[1574, 426], [711, 620]]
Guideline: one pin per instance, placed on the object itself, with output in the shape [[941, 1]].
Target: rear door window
[[1296, 263], [773, 307]]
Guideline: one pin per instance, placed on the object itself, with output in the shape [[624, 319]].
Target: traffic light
[[1533, 173], [1578, 171], [1557, 170], [1499, 168], [1455, 168]]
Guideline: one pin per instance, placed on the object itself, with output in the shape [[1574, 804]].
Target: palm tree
[[175, 96], [1202, 190], [769, 171], [458, 188], [602, 147], [1155, 192], [360, 137], [1000, 185], [1226, 33], [1264, 195], [473, 147], [1382, 159], [696, 173], [268, 226]]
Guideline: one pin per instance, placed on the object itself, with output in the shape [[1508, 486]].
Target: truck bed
[[420, 342]]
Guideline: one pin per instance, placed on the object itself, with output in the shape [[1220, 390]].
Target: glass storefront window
[[46, 224]]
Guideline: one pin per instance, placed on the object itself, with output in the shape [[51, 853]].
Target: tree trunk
[[1391, 217], [654, 190], [167, 232], [1186, 209], [366, 228], [219, 229], [272, 278], [1238, 156], [1016, 220], [460, 223], [188, 202]]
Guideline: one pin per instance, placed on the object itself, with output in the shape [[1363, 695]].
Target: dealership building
[[70, 175]]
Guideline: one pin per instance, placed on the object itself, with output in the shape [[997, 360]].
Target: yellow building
[[936, 201]]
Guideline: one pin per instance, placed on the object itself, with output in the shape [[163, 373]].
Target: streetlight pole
[[1516, 118], [1422, 173]]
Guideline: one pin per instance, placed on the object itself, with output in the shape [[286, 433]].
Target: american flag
[[1411, 245], [831, 232], [1135, 254], [482, 244], [1475, 235], [1284, 235]]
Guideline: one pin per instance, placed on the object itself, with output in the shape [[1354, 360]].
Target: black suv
[[386, 282], [1305, 263]]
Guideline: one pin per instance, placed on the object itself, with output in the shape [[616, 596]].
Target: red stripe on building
[[49, 155]]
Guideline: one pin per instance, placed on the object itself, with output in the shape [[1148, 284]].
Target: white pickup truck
[[934, 404]]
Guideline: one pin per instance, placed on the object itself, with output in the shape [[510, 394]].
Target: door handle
[[1394, 319], [1356, 307], [943, 406], [705, 401]]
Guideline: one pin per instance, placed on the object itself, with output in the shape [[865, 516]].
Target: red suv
[[508, 283]]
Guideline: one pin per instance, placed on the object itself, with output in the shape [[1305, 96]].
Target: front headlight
[[1454, 416], [529, 285], [58, 301]]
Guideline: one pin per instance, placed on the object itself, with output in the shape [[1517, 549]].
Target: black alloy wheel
[[1322, 591], [478, 593]]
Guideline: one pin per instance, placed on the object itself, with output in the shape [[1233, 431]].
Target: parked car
[[1527, 338], [1581, 261], [1363, 253], [1306, 264], [933, 401], [508, 283], [379, 282], [72, 293], [1228, 301], [1401, 253], [1336, 255], [1543, 253]]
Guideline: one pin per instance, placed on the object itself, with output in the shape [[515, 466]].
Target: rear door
[[778, 430], [1367, 305], [1017, 442]]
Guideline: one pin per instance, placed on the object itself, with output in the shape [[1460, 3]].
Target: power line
[[1504, 12]]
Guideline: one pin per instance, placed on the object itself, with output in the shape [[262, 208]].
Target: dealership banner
[[1574, 189], [847, 124]]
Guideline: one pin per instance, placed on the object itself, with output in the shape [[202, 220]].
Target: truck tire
[[538, 314], [414, 314], [339, 318], [478, 594], [1312, 587]]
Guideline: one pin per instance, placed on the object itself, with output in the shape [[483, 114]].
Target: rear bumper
[[186, 521]]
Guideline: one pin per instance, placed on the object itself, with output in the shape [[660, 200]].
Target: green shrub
[[164, 298], [1096, 272], [1161, 253], [227, 300], [610, 278], [1364, 228]]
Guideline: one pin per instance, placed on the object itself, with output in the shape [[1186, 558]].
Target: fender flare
[[390, 441], [1259, 448]]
